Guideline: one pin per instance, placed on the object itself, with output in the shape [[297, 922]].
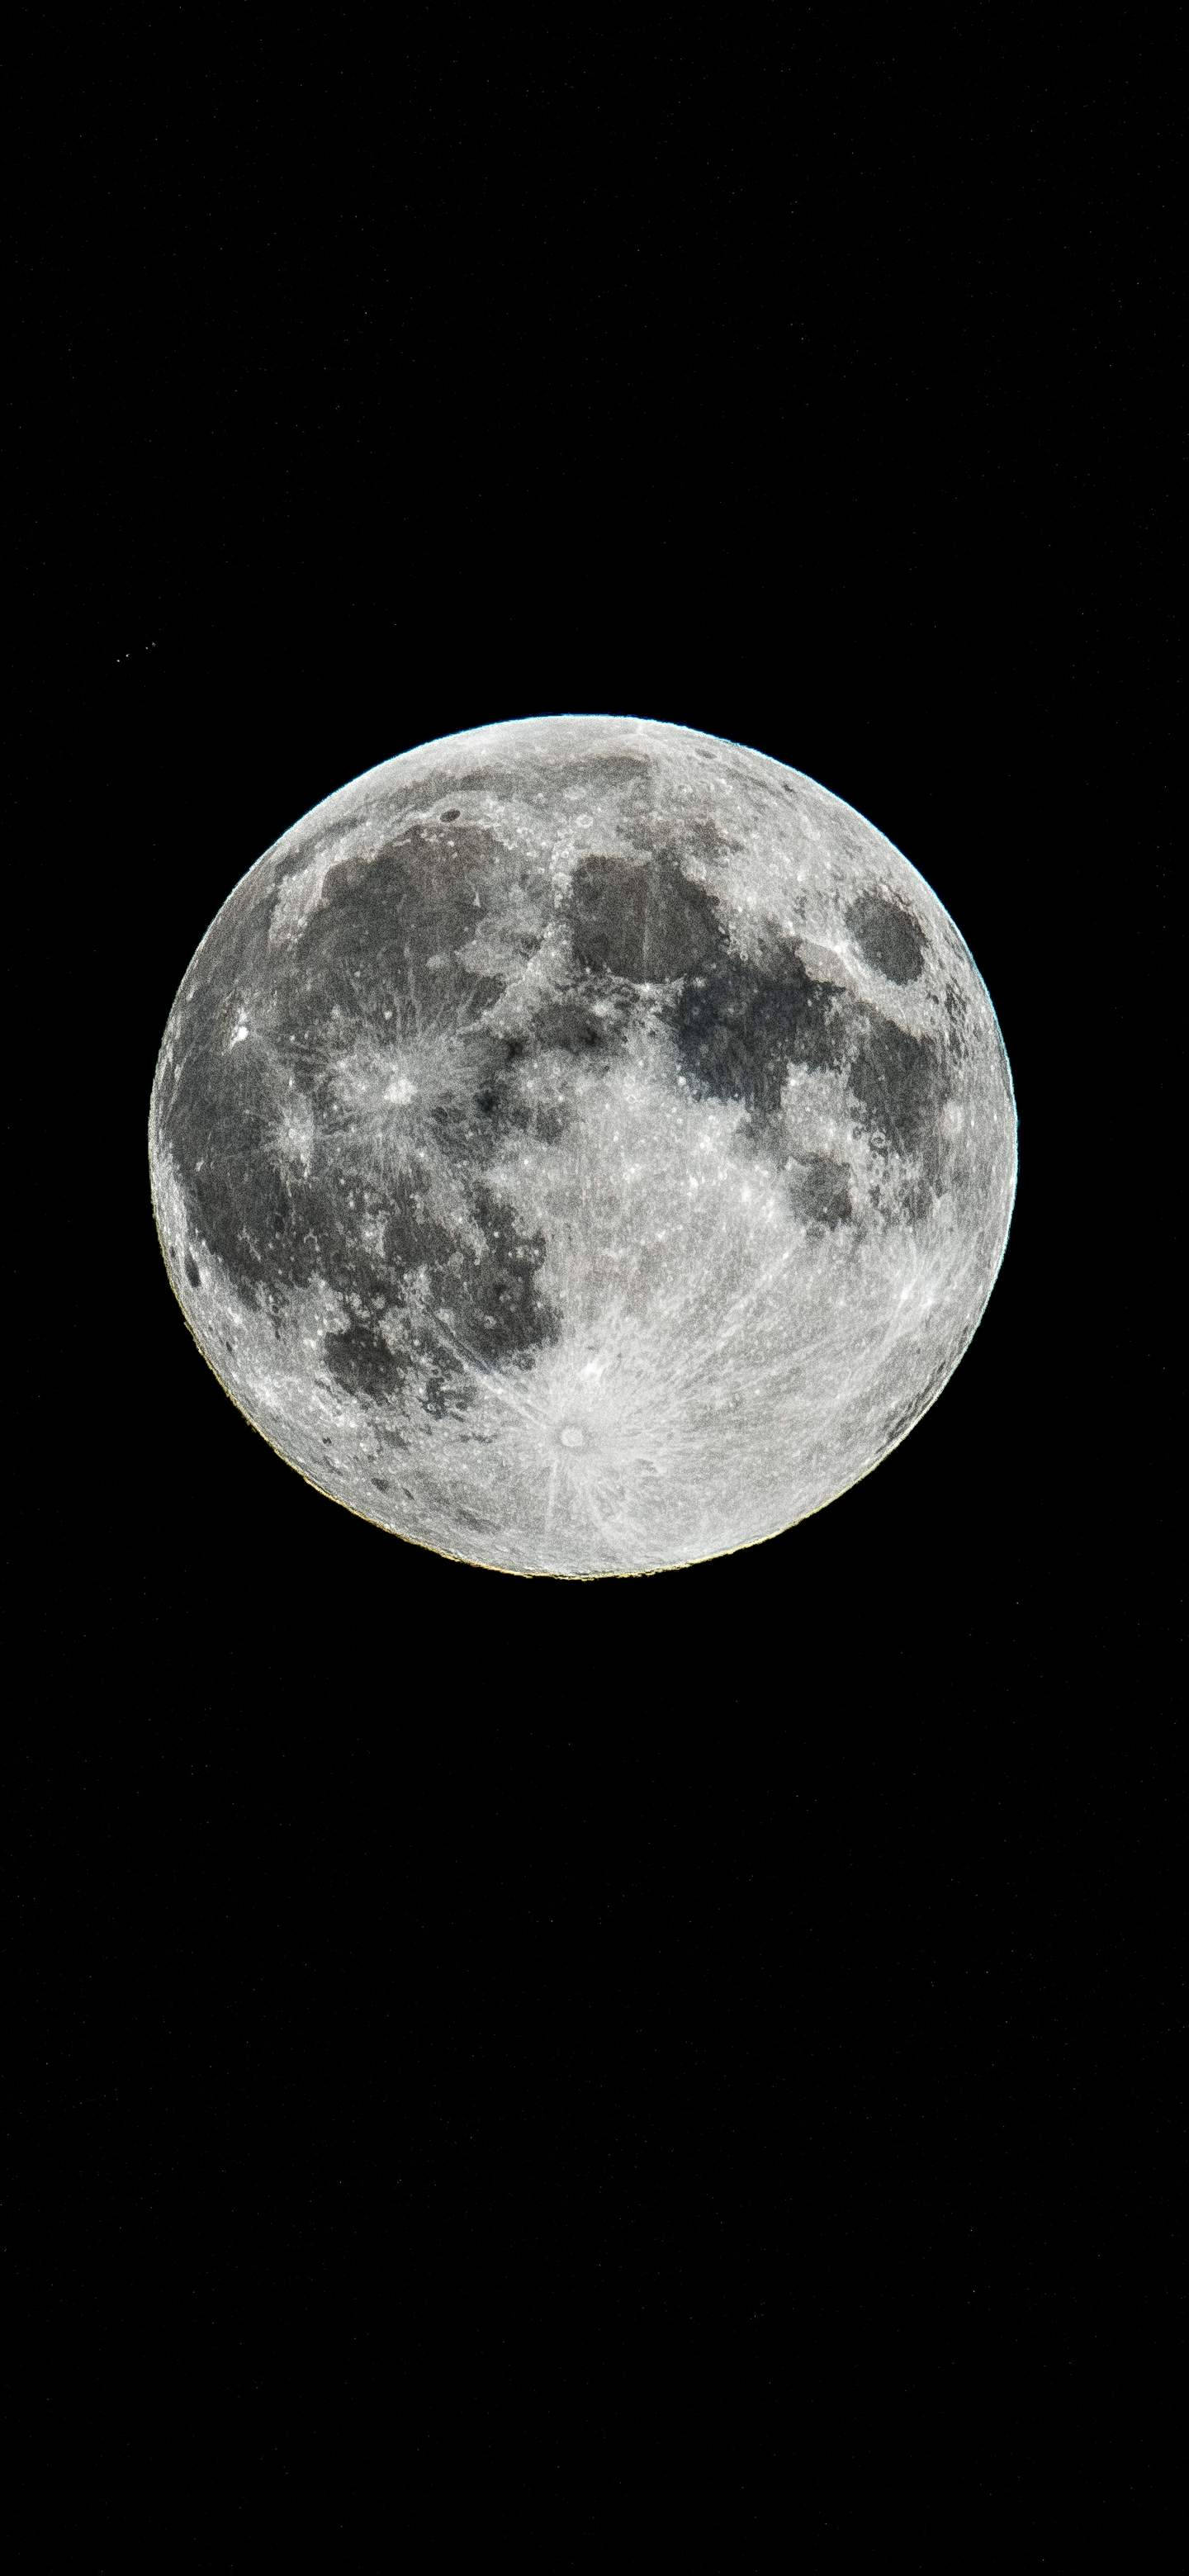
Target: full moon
[[583, 1146]]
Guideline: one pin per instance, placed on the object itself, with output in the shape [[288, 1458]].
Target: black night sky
[[675, 2071]]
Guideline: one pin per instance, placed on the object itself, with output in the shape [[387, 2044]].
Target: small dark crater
[[381, 1484], [703, 753], [193, 1273], [821, 1192], [451, 814], [230, 1346], [645, 921], [887, 936], [362, 1363], [487, 1102]]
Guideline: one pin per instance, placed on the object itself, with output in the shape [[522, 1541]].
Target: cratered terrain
[[583, 1146]]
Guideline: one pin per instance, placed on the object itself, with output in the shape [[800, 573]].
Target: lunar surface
[[583, 1146]]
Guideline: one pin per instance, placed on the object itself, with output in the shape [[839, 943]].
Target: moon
[[583, 1146]]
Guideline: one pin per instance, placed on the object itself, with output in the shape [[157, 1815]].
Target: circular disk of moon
[[583, 1146]]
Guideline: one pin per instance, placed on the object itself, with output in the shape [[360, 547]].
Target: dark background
[[673, 2068]]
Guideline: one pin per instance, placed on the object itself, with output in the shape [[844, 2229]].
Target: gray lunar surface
[[583, 1146]]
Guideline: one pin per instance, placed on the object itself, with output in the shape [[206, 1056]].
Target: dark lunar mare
[[358, 969], [887, 937], [739, 1025], [740, 1028], [646, 923], [626, 774]]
